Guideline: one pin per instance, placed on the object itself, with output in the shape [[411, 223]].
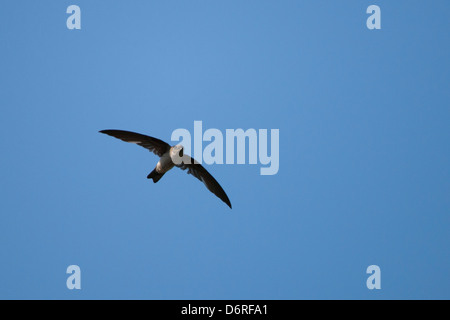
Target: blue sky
[[364, 159]]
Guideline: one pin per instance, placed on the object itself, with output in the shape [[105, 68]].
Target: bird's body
[[165, 163], [169, 157]]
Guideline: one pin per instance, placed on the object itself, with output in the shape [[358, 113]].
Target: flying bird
[[170, 157]]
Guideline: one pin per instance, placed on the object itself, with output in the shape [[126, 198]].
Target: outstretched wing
[[156, 146], [198, 171]]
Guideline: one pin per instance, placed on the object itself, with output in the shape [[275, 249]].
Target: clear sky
[[364, 173]]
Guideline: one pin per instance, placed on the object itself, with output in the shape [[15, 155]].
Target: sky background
[[364, 149]]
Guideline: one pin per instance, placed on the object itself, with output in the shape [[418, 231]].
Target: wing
[[156, 146], [197, 170]]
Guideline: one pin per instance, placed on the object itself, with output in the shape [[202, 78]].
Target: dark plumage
[[168, 156]]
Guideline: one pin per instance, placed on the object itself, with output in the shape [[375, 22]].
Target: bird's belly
[[164, 164]]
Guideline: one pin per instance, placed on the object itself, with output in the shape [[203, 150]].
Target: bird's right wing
[[156, 146], [198, 171]]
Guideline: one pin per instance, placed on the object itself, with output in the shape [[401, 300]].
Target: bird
[[169, 157]]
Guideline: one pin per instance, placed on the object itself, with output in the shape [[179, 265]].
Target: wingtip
[[107, 131]]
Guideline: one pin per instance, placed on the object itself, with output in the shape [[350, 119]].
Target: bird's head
[[179, 149], [177, 153]]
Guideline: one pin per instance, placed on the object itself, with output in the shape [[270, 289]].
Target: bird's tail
[[155, 175]]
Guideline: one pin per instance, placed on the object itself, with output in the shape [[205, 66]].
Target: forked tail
[[155, 175]]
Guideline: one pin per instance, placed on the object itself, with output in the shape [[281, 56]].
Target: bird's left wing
[[198, 171], [156, 146]]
